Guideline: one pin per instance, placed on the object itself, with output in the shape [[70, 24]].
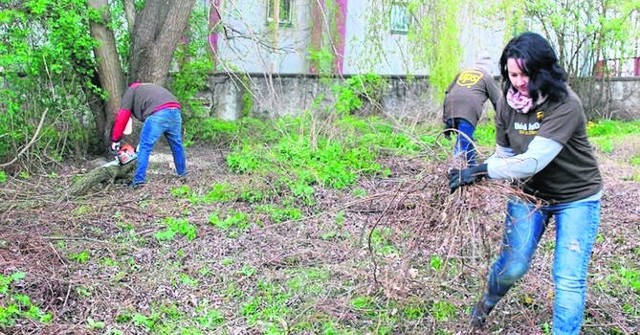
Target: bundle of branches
[[433, 227]]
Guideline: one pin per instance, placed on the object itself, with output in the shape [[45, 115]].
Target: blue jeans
[[169, 123], [464, 143], [576, 229]]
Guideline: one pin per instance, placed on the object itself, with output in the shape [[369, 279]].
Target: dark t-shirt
[[467, 94], [573, 174], [144, 99]]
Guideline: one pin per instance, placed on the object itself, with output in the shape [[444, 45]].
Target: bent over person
[[160, 113], [541, 140], [463, 104]]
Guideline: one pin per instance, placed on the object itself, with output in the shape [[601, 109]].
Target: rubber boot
[[480, 312]]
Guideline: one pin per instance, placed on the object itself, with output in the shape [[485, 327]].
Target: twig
[[66, 298], [373, 228], [58, 255], [76, 238]]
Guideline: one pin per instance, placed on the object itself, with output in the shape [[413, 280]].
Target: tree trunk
[[157, 30], [130, 14], [110, 73], [105, 173], [155, 33]]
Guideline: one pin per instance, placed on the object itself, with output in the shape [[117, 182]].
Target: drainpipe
[[341, 22], [214, 20]]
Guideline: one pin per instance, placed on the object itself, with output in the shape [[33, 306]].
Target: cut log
[[108, 172]]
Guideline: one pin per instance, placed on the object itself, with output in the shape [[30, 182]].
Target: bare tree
[[585, 32]]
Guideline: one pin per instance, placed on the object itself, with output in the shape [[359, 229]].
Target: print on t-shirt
[[524, 128], [529, 128], [469, 78]]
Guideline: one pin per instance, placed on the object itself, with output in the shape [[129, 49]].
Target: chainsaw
[[125, 155]]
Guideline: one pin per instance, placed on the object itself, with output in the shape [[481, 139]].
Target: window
[[284, 11], [400, 18]]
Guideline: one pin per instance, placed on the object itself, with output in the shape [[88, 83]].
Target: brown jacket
[[466, 95]]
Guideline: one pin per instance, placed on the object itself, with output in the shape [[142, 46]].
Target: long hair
[[536, 59]]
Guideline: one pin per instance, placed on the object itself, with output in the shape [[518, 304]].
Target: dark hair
[[539, 62]]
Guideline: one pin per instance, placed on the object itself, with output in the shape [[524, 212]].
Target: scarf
[[518, 101]]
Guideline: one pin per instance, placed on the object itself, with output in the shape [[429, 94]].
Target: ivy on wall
[[433, 38]]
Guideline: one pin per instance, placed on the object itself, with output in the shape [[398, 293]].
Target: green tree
[[438, 36], [45, 63], [65, 63]]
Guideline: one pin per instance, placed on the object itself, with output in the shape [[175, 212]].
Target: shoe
[[479, 314], [135, 185], [183, 177]]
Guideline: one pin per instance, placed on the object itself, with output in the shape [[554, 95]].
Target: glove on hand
[[468, 176], [448, 124], [114, 147]]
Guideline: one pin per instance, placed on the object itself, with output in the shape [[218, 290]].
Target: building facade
[[348, 36], [269, 54]]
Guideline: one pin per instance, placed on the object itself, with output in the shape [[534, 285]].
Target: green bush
[[351, 95], [612, 128]]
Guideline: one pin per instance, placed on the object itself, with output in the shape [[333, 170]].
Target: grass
[[259, 250], [606, 135], [175, 227], [322, 159]]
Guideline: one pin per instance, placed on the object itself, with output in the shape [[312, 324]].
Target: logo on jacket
[[540, 115], [469, 78]]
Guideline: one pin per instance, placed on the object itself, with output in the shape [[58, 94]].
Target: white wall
[[363, 56], [249, 50], [480, 36], [476, 36], [247, 53]]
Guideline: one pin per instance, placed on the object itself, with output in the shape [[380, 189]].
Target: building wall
[[398, 52], [293, 95], [624, 98], [280, 80], [250, 45], [386, 53], [401, 99]]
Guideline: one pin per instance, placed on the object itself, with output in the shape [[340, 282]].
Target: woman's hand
[[467, 176]]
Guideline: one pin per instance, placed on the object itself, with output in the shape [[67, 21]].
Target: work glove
[[448, 124], [114, 147], [468, 176]]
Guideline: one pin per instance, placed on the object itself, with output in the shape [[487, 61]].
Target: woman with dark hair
[[542, 146]]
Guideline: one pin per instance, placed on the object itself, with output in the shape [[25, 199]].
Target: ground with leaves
[[394, 254]]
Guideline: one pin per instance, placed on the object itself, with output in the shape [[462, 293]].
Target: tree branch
[[33, 140]]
